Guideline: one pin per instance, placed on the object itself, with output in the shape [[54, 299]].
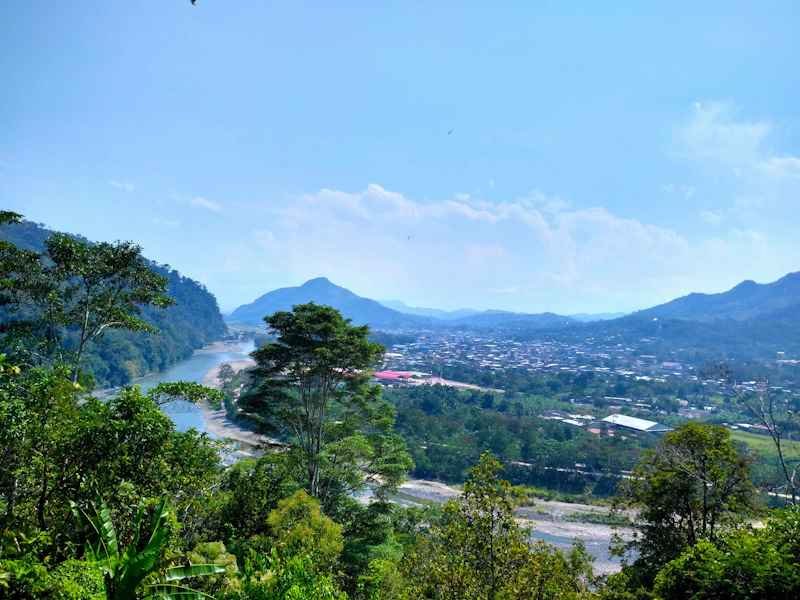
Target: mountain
[[751, 321], [120, 356], [591, 317], [322, 291], [435, 313], [379, 316], [499, 319], [747, 300]]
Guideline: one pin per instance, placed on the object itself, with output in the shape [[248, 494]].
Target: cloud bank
[[542, 252]]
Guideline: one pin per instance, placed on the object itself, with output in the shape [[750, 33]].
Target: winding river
[[195, 368], [186, 415]]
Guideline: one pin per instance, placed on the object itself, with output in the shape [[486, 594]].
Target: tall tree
[[76, 290], [691, 486], [102, 286], [312, 385]]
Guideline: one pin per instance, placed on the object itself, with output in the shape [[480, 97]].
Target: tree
[[101, 286], [777, 417], [252, 489], [311, 385], [479, 552], [60, 443], [295, 578], [299, 528], [77, 290], [691, 486], [746, 564]]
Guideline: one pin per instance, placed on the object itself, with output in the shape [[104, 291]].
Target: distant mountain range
[[461, 313], [380, 316], [591, 317], [747, 300], [750, 320], [436, 313]]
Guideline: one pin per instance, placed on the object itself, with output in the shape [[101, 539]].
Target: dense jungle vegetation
[[105, 499], [121, 355]]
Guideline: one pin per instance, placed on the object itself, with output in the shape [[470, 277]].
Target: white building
[[635, 423]]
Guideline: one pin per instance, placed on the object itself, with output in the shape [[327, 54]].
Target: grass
[[764, 446]]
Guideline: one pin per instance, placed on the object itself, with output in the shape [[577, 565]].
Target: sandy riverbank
[[211, 379], [548, 517], [217, 422]]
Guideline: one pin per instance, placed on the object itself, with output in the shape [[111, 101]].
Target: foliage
[[478, 551], [60, 444], [33, 293], [27, 578], [311, 385], [688, 489], [299, 528], [185, 390], [746, 564], [446, 430], [138, 567], [294, 578], [252, 489]]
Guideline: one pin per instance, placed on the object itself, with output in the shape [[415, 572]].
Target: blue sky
[[446, 154]]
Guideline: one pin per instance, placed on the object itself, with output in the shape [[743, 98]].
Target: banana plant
[[132, 573]]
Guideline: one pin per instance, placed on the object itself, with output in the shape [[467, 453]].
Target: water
[[185, 414]]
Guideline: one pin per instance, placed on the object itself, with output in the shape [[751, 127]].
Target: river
[[185, 414]]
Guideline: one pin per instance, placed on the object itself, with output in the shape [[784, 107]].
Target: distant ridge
[[747, 300], [591, 317], [379, 316], [500, 319], [749, 320], [436, 313]]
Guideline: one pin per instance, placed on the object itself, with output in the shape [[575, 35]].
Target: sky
[[529, 156]]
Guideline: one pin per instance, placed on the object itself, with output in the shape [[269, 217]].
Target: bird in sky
[[451, 131]]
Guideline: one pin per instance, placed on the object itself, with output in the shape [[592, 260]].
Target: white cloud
[[686, 192], [739, 170], [201, 202], [715, 135], [533, 253], [122, 185], [781, 167]]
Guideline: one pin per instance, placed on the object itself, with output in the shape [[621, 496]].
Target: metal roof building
[[636, 424]]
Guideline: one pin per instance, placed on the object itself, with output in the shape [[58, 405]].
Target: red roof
[[393, 375]]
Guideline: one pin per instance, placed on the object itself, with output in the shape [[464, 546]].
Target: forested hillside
[[119, 355]]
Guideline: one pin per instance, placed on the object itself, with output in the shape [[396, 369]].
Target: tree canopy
[[312, 387]]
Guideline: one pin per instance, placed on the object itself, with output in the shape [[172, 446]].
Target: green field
[[764, 446]]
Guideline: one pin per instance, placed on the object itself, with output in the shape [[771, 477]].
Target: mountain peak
[[322, 291], [317, 282]]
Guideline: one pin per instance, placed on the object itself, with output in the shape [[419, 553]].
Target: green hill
[[120, 356], [748, 300]]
